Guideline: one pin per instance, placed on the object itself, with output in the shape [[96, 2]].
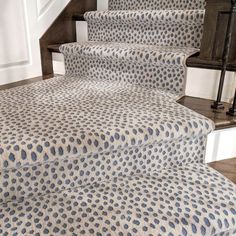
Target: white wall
[[221, 145], [102, 5], [22, 23], [13, 20], [204, 83]]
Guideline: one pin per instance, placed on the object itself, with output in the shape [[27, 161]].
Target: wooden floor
[[203, 106], [226, 168], [20, 83]]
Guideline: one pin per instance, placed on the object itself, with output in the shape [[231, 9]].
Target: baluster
[[218, 104], [232, 110]]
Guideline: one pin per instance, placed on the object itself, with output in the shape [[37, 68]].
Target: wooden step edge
[[197, 62], [78, 17], [54, 48], [203, 106]]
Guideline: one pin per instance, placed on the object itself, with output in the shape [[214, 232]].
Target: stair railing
[[218, 104], [232, 110]]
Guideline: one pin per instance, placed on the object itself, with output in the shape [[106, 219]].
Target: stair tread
[[144, 203], [76, 121], [196, 61], [139, 16], [155, 5], [159, 55]]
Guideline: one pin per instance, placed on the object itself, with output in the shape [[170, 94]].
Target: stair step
[[136, 53], [97, 128], [78, 17], [178, 28], [193, 17], [155, 4], [192, 61], [190, 200], [146, 65], [199, 105]]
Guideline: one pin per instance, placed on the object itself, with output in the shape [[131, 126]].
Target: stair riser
[[169, 77], [155, 4], [153, 34], [82, 170]]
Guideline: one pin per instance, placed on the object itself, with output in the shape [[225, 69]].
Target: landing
[[72, 116]]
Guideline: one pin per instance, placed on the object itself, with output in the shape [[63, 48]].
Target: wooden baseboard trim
[[20, 83]]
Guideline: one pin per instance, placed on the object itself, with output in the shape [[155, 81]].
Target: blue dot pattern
[[174, 28], [190, 200], [106, 150], [155, 5], [35, 180], [54, 129]]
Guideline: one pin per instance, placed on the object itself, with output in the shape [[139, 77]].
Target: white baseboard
[[221, 145]]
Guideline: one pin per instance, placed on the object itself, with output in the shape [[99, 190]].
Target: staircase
[[106, 149], [140, 46]]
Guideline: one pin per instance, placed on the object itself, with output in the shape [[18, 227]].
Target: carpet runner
[[68, 132], [106, 149], [156, 5], [145, 65], [145, 47], [191, 200]]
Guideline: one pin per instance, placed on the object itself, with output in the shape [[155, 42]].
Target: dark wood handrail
[[214, 35]]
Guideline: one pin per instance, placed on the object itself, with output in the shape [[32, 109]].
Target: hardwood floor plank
[[20, 83], [203, 106], [226, 168]]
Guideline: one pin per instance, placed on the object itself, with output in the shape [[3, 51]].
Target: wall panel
[[13, 34]]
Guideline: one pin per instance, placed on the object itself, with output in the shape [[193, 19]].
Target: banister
[[214, 35]]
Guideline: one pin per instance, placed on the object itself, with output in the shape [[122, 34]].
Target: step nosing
[[155, 5], [140, 54], [193, 16]]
